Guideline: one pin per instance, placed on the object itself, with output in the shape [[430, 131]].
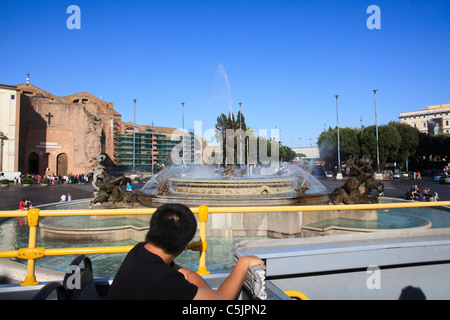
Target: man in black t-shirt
[[148, 271]]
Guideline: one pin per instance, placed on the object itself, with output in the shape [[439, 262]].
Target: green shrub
[[27, 181]]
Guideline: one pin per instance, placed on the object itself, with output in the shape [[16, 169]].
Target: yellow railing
[[32, 252], [295, 294]]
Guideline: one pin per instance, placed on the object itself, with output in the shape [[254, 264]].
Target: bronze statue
[[108, 191], [357, 190]]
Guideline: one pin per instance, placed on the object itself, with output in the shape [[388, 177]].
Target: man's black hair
[[172, 227]]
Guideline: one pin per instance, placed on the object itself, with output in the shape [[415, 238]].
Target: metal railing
[[31, 253]]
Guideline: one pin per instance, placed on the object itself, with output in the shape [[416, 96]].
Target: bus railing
[[31, 253]]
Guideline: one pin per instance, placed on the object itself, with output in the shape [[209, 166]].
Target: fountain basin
[[87, 229], [194, 186], [233, 187], [237, 224]]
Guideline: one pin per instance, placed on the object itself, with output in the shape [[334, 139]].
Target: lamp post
[[134, 134], [240, 140], [376, 130], [2, 137], [182, 124], [338, 174]]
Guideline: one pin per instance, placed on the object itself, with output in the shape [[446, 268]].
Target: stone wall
[[77, 128]]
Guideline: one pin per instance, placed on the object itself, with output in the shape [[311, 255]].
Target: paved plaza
[[38, 195], [11, 196]]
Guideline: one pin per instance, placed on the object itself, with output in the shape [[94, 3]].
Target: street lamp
[[376, 130], [338, 174], [2, 137], [182, 124], [240, 140], [134, 134]]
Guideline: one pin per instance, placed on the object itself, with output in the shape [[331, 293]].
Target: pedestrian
[[63, 198], [28, 204], [22, 204], [435, 195], [69, 197]]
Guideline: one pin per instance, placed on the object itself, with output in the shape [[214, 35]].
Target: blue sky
[[285, 60]]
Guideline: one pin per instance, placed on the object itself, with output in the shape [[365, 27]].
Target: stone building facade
[[63, 135], [433, 120], [9, 128]]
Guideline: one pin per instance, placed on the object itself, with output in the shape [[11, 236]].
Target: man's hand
[[231, 286], [251, 261]]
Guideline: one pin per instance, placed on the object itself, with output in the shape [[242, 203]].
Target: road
[[397, 188], [12, 195]]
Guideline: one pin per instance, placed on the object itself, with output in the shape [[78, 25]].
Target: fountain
[[201, 185], [206, 185]]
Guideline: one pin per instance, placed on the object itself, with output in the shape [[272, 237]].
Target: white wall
[[8, 126]]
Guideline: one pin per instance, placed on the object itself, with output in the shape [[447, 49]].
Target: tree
[[286, 153], [240, 121], [327, 143], [408, 144], [349, 145], [225, 123], [389, 140]]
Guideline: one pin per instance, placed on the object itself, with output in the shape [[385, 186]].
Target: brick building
[[47, 134], [62, 135]]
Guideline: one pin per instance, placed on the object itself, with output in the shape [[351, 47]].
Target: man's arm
[[230, 287], [193, 277]]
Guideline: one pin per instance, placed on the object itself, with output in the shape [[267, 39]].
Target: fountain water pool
[[179, 185], [14, 235]]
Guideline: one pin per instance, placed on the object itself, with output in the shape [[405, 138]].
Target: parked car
[[10, 175], [396, 175], [437, 177], [328, 174], [444, 179]]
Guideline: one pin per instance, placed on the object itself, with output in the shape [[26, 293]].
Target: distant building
[[433, 120], [311, 153], [9, 128], [151, 145]]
